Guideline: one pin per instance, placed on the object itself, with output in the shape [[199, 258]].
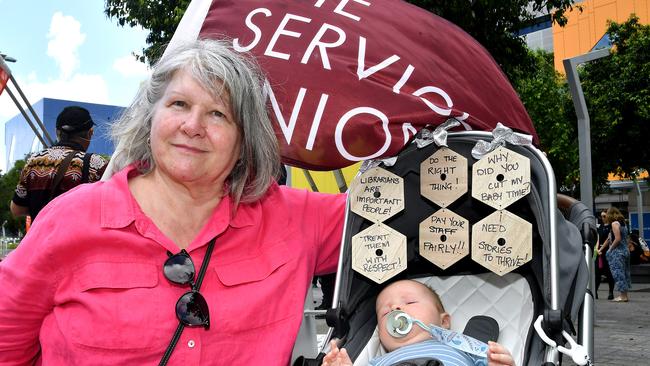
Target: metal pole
[[639, 206], [340, 180], [584, 129], [22, 111], [6, 69], [288, 179], [587, 310], [310, 180], [38, 120]]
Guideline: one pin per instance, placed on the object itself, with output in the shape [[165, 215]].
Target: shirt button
[[190, 343]]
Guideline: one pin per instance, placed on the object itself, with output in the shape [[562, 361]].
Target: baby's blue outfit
[[450, 347]]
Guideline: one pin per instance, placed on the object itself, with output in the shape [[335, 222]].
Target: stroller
[[535, 305]]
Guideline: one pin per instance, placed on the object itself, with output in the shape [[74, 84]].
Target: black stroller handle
[[579, 214]]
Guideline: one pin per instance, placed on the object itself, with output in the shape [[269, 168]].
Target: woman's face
[[415, 300], [194, 138]]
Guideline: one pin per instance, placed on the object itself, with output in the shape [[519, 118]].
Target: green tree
[[617, 92], [8, 183], [496, 23], [545, 95], [160, 18]]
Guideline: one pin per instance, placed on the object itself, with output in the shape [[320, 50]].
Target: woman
[[634, 246], [618, 254], [192, 238], [602, 266]]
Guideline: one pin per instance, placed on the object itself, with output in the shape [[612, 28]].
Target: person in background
[[190, 253], [59, 168], [634, 246], [618, 254], [602, 266], [645, 250]]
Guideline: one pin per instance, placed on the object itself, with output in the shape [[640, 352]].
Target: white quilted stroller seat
[[466, 296], [553, 285]]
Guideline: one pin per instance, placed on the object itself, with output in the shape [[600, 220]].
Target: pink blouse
[[86, 287]]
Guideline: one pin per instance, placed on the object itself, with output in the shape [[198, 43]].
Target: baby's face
[[416, 300]]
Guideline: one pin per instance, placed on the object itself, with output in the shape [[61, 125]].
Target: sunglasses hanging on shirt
[[191, 308]]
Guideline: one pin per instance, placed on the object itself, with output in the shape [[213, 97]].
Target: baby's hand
[[336, 357], [498, 355]]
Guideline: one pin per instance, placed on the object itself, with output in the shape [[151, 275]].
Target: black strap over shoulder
[[60, 172], [181, 326], [85, 168]]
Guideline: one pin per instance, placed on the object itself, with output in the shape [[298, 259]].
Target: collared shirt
[[446, 354], [36, 178], [86, 287]]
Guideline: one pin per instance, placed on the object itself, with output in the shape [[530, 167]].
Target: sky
[[68, 49]]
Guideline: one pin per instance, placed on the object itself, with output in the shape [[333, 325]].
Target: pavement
[[621, 330]]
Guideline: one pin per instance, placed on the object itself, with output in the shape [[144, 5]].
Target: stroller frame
[[551, 278]]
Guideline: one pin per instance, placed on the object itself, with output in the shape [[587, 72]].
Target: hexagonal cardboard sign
[[444, 238], [379, 252], [443, 176], [502, 242], [377, 195], [500, 178]]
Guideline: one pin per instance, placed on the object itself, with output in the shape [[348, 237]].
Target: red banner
[[351, 80], [3, 79]]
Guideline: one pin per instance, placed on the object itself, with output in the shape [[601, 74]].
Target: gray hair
[[219, 69]]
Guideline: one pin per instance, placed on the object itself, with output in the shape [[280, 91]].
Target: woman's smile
[[189, 149]]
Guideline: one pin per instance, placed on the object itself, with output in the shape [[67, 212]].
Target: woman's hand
[[498, 355], [336, 356], [604, 247]]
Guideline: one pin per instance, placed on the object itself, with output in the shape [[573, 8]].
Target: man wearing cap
[[61, 167]]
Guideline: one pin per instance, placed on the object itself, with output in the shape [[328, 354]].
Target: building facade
[[585, 32], [585, 29]]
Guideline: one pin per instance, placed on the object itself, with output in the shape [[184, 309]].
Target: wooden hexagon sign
[[502, 242], [377, 195], [500, 178], [444, 238], [379, 252], [443, 176]]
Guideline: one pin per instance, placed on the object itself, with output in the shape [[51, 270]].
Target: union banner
[[351, 80], [3, 79]]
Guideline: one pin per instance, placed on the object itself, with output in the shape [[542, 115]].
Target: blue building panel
[[21, 141], [634, 224]]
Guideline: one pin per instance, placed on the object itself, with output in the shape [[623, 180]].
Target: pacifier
[[399, 324]]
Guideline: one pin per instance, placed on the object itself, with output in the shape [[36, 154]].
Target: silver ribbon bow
[[439, 135], [502, 134], [372, 163]]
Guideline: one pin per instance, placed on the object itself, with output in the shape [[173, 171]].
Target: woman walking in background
[[618, 254], [602, 266]]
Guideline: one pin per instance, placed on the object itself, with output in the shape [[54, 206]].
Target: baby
[[421, 303]]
